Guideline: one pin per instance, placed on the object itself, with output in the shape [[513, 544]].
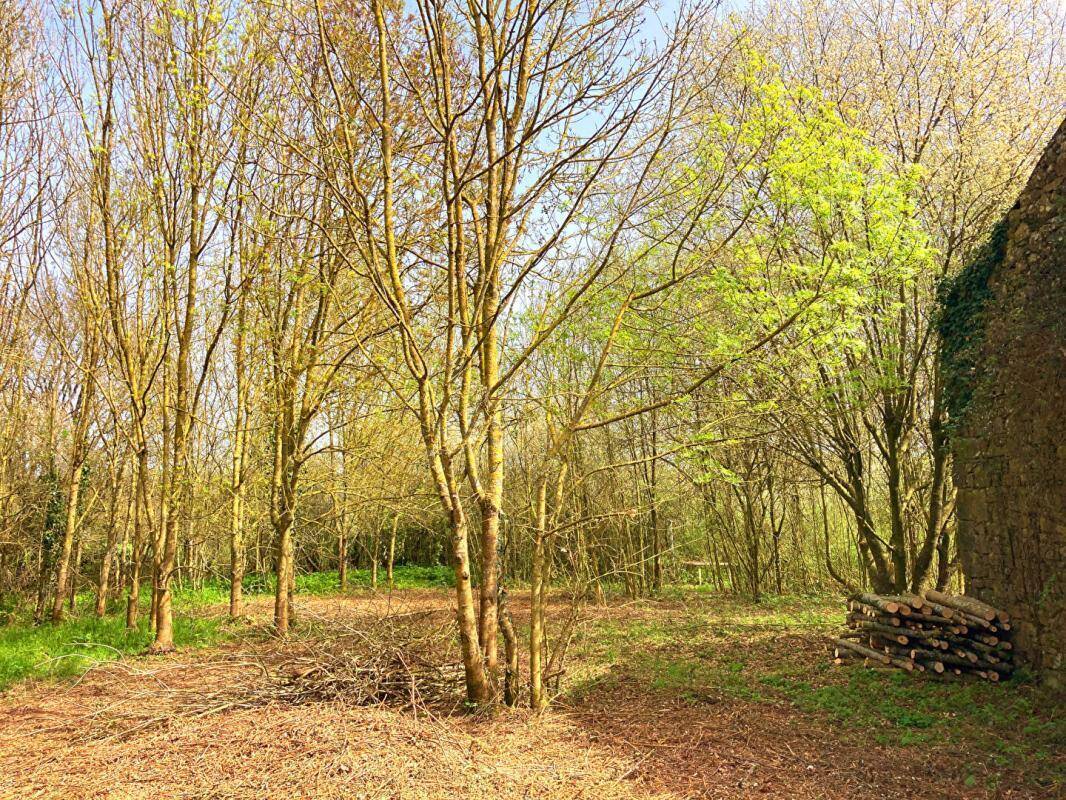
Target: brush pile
[[389, 677], [936, 633]]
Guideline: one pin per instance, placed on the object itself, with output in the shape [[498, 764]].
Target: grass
[[319, 584], [773, 653], [67, 649]]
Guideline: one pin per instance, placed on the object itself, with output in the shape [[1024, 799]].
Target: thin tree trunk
[[140, 507], [73, 582], [656, 544], [510, 647], [538, 699], [67, 545], [237, 485], [342, 555], [392, 549], [375, 552], [109, 553], [478, 689], [898, 532], [283, 570]]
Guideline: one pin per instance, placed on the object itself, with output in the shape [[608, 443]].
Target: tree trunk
[[342, 555], [112, 545], [67, 545], [375, 553], [478, 690], [538, 699], [162, 596], [140, 508], [282, 570], [72, 590], [510, 649], [488, 614], [896, 511], [43, 582], [653, 515], [392, 550], [237, 489]]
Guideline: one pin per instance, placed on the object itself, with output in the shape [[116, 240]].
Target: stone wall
[[1010, 440]]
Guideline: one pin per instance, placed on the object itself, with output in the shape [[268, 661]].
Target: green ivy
[[961, 324]]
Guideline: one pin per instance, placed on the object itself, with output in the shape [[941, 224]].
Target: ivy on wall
[[961, 324]]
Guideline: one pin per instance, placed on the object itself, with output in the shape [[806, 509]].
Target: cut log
[[863, 650], [874, 601], [912, 601], [905, 664], [840, 654], [966, 604], [954, 660], [945, 611], [884, 658], [976, 622], [1000, 669], [979, 648], [932, 619], [895, 634], [878, 617], [929, 637]]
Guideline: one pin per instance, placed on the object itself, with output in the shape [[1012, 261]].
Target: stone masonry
[[1010, 447]]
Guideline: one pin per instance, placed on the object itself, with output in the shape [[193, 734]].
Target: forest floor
[[693, 696]]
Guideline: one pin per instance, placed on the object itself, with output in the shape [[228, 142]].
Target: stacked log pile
[[935, 632]]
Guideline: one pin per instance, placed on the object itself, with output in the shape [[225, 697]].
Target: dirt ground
[[169, 728]]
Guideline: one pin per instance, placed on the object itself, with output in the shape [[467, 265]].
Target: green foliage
[[818, 237], [961, 324], [317, 584], [327, 582], [403, 577], [53, 514], [52, 651], [832, 228]]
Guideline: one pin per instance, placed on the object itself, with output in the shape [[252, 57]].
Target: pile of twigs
[[389, 676], [934, 632], [396, 661]]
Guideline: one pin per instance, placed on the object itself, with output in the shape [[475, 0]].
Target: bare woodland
[[577, 297]]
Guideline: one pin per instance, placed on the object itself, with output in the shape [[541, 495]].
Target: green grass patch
[[403, 577], [327, 582], [69, 648]]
